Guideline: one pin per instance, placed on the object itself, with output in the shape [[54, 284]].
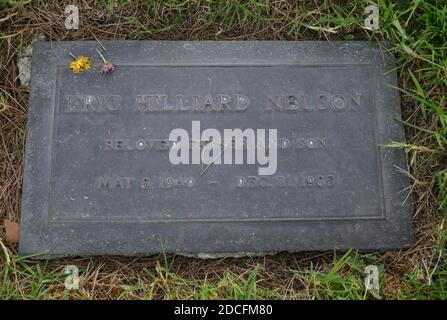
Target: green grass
[[163, 282], [341, 277], [35, 277], [417, 31]]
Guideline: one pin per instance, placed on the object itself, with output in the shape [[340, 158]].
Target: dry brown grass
[[106, 277]]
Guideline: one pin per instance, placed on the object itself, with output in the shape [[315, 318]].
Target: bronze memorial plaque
[[214, 148]]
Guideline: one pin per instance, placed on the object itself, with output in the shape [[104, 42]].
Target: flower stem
[[102, 57], [71, 54]]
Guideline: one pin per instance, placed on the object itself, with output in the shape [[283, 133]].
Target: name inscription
[[213, 103]]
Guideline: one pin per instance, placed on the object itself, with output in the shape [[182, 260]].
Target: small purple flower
[[107, 68]]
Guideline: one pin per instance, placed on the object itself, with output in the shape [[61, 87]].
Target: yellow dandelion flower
[[80, 64]]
